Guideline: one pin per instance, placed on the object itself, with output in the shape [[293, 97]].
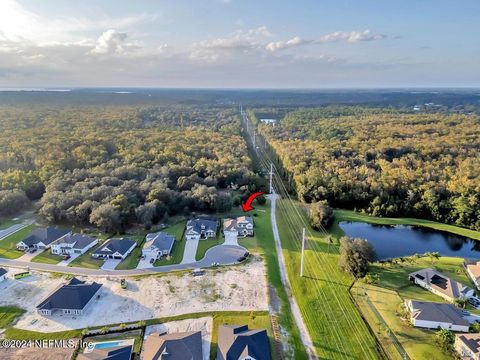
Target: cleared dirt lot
[[36, 354], [241, 289]]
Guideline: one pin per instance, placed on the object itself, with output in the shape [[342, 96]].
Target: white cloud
[[114, 42], [280, 45], [351, 36]]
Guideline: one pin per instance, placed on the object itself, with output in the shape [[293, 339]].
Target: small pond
[[401, 240]]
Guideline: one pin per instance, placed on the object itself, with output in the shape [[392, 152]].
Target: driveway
[[10, 230], [231, 239], [110, 264], [145, 263], [28, 255], [66, 262], [190, 251]]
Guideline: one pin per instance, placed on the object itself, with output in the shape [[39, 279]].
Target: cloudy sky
[[240, 43]]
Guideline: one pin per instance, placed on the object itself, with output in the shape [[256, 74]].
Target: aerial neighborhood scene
[[239, 180]]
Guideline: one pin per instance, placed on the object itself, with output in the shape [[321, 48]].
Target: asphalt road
[[221, 254]]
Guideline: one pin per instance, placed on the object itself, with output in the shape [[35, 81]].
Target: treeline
[[383, 161], [103, 166]]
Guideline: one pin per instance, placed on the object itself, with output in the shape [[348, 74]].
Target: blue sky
[[240, 43]]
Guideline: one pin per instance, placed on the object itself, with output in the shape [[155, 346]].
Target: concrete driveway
[[190, 251], [231, 239], [110, 264], [145, 263], [28, 255], [66, 262]]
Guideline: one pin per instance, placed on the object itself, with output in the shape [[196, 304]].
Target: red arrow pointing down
[[247, 205]]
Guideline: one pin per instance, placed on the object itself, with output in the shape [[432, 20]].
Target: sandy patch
[[204, 324], [241, 289]]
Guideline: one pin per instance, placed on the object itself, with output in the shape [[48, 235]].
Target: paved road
[[222, 254], [297, 315], [10, 230]]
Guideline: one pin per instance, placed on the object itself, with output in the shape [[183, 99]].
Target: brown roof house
[[175, 346], [468, 346], [237, 342], [473, 270], [441, 285]]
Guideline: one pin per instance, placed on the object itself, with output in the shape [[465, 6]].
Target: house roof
[[44, 235], [238, 342], [175, 346], [3, 271], [74, 295], [232, 224], [441, 283], [115, 245], [474, 269], [440, 312], [114, 353], [162, 241], [197, 225], [471, 341], [79, 241]]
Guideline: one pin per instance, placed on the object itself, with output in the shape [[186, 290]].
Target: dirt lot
[[36, 354], [240, 289]]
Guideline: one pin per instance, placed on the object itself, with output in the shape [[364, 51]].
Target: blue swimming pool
[[106, 345]]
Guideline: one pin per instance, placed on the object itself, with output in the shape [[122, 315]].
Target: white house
[[41, 238], [441, 285], [269, 121], [3, 274], [198, 229], [240, 226], [158, 245], [431, 315], [115, 249], [71, 244], [468, 346]]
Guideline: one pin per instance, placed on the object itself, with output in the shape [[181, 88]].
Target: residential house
[[158, 245], [473, 271], [120, 352], [3, 274], [237, 342], [468, 346], [433, 315], [115, 249], [441, 285], [41, 238], [71, 244], [199, 228], [240, 226], [69, 299], [175, 346]]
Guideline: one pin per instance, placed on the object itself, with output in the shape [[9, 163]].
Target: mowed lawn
[[46, 257], [204, 245], [86, 260], [8, 315], [8, 245], [131, 261], [334, 323], [177, 229]]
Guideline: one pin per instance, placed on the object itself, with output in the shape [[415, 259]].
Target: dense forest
[[386, 162], [112, 166]]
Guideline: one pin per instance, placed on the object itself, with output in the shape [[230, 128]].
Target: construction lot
[[243, 288]]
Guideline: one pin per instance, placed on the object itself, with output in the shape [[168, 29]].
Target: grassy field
[[176, 255], [87, 261], [348, 215], [334, 323], [8, 245], [46, 257], [8, 315]]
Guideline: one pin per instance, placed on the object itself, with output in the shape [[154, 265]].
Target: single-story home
[[441, 285], [3, 274], [468, 346], [115, 249], [69, 299], [175, 346], [73, 244], [238, 342], [201, 229], [158, 245], [120, 352], [240, 226], [41, 238], [473, 271], [433, 315]]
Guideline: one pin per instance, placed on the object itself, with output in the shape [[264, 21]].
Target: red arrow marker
[[247, 205]]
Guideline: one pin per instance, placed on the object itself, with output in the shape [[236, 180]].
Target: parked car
[[197, 272], [123, 283], [152, 260], [32, 250], [66, 257]]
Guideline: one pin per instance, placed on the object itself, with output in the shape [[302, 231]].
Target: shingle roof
[[3, 271], [232, 224], [44, 235], [113, 353], [197, 224], [238, 342], [474, 269], [441, 283], [162, 241], [115, 245], [80, 241], [175, 346], [472, 341], [74, 295], [432, 311]]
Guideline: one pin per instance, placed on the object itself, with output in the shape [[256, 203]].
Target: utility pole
[[254, 136], [303, 253], [271, 178]]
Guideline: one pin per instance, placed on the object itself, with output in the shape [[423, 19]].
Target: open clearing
[[145, 298]]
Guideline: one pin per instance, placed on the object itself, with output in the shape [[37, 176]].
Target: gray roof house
[[115, 249], [3, 272], [432, 315], [72, 244], [201, 229], [71, 298], [158, 245], [175, 346], [41, 238], [468, 346], [237, 342], [440, 284]]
